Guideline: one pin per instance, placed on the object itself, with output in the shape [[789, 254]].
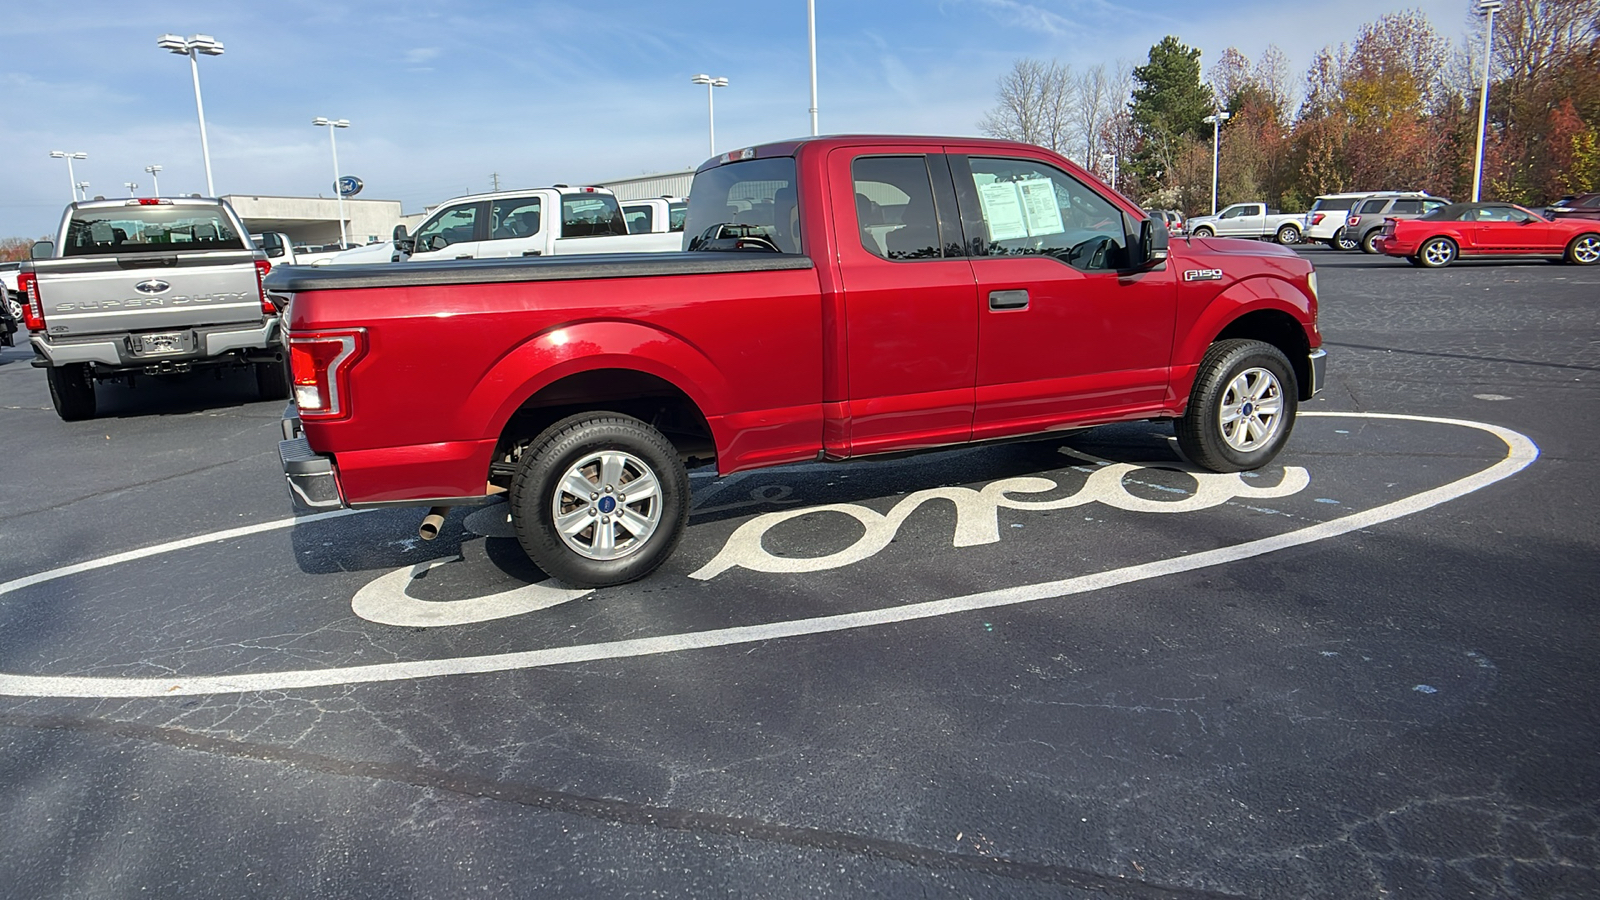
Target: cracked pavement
[[1407, 710]]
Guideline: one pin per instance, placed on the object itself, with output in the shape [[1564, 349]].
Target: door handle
[[465, 256], [1008, 299], [532, 253]]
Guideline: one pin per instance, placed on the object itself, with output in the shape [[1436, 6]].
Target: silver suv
[[1365, 222]]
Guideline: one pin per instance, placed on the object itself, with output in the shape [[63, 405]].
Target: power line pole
[[495, 177]]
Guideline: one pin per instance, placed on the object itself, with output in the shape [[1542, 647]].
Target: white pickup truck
[[655, 215], [552, 221], [1249, 220]]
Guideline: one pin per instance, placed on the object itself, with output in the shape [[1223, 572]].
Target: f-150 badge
[[1203, 275]]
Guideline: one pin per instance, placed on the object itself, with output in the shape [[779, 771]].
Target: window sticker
[[1039, 205], [1002, 211]]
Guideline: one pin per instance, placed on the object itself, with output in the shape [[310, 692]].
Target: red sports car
[[1489, 231]]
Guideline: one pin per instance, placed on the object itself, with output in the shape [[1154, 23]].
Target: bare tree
[[1094, 108], [1036, 101]]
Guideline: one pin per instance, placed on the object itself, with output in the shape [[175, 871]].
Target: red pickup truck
[[840, 297]]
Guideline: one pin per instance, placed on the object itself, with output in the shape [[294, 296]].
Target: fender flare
[[573, 348]]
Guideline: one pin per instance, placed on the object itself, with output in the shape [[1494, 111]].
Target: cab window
[[591, 215], [677, 214], [1030, 208], [453, 226], [640, 219], [513, 218], [895, 210], [745, 205]]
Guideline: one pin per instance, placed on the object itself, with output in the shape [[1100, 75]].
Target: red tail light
[[1353, 221], [267, 306], [32, 307], [321, 362], [1317, 219]]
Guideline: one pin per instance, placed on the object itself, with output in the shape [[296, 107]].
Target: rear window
[[1332, 203], [591, 215], [751, 199], [150, 229]]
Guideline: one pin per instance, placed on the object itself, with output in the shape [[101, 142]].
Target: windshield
[[753, 200], [149, 229]]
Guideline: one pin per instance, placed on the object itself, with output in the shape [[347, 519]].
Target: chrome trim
[[1319, 363]]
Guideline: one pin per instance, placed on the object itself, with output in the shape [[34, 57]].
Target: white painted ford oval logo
[[152, 286], [1352, 479]]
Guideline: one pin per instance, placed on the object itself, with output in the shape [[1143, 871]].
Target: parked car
[[1489, 231], [655, 215], [1325, 220], [148, 286], [841, 297], [1581, 206], [1249, 220], [10, 306], [276, 245], [1366, 218], [554, 221]]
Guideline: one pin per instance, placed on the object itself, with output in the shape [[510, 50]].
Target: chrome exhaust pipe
[[429, 529]]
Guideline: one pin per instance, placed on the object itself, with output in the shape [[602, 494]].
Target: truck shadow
[[190, 392]]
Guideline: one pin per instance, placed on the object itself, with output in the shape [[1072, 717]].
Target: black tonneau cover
[[293, 279]]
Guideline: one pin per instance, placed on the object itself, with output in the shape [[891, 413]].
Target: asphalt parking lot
[[1055, 669]]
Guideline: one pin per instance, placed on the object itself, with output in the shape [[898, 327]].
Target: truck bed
[[293, 279]]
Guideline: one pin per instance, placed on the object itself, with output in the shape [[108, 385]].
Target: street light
[[1485, 8], [811, 37], [72, 180], [711, 110], [1215, 121], [131, 188], [154, 180], [192, 47], [334, 125], [82, 186]]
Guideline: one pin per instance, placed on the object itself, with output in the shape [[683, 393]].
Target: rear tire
[[1369, 241], [1345, 243], [1241, 409], [71, 392], [1436, 253], [1584, 250], [571, 504], [272, 380], [1288, 234]]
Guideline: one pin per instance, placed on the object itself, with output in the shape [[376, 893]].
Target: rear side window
[[591, 215], [150, 229], [1406, 207], [513, 217], [754, 200], [894, 207], [677, 213], [1371, 206], [640, 219]]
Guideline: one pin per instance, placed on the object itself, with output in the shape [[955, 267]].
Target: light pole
[[1485, 8], [154, 180], [811, 36], [131, 188], [83, 186], [72, 180], [711, 109], [1215, 121], [192, 47], [333, 125]]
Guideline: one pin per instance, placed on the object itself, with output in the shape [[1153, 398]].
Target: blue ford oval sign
[[348, 185]]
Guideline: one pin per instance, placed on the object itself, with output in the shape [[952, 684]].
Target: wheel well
[[655, 401], [1281, 330]]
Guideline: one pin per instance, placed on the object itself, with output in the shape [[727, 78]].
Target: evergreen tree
[[1168, 108]]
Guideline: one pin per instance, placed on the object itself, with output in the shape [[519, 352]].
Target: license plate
[[167, 342]]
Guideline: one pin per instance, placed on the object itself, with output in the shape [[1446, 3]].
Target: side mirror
[[42, 250], [404, 244], [1152, 243], [400, 232]]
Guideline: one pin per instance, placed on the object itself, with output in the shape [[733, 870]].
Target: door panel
[[1094, 340], [911, 308]]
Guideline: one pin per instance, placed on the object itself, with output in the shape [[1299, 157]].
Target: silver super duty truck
[[148, 286]]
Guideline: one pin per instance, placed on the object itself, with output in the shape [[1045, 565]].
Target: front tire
[[71, 392], [1204, 232], [1436, 253], [1241, 409], [600, 499], [1288, 234], [1584, 250]]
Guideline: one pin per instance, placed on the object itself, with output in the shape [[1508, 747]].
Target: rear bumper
[[211, 342], [313, 478]]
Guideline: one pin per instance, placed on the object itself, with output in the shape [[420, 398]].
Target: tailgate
[[148, 293]]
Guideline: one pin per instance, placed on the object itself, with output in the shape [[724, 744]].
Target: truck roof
[[829, 141]]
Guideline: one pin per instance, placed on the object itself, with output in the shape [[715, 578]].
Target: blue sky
[[442, 94]]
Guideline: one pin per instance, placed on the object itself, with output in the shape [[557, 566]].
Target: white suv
[[1325, 221]]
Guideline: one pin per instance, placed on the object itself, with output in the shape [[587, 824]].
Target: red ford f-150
[[840, 297]]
